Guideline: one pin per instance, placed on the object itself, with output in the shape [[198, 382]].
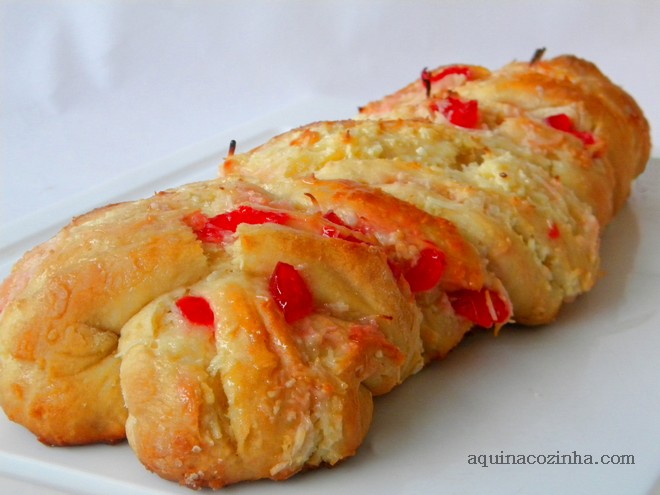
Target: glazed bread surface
[[535, 234], [239, 328], [517, 99]]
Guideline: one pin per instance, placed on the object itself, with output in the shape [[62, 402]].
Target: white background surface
[[90, 90], [93, 93]]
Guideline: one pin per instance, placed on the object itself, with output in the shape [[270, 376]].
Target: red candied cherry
[[196, 310], [454, 69], [461, 113], [216, 229], [564, 123], [290, 292], [553, 231], [482, 307], [426, 273], [428, 78], [334, 218], [330, 231]]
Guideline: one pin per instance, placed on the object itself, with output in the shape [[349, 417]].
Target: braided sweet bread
[[238, 328]]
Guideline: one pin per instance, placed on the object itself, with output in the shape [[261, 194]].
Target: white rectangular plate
[[582, 388]]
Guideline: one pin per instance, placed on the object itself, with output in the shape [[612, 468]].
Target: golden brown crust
[[505, 205], [65, 303], [382, 215], [539, 271], [257, 397], [527, 94], [237, 331], [60, 332]]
